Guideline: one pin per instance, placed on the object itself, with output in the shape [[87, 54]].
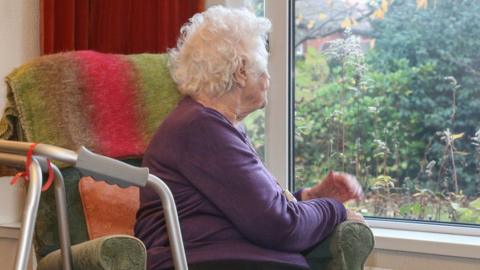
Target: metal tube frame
[[70, 157], [31, 207], [171, 220], [62, 216], [62, 219]]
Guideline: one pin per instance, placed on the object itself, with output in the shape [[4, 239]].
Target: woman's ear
[[240, 75]]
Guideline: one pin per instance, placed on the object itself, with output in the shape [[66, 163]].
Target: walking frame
[[100, 168]]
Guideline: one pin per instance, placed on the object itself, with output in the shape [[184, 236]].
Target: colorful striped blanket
[[112, 104]]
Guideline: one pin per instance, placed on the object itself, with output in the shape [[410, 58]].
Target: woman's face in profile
[[255, 92]]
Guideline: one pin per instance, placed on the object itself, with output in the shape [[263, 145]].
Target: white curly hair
[[213, 45]]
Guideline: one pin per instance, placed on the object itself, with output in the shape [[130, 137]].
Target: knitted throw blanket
[[112, 104]]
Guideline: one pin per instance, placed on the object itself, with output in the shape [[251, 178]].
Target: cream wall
[[19, 42], [19, 34]]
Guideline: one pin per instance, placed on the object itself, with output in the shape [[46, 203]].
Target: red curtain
[[115, 26]]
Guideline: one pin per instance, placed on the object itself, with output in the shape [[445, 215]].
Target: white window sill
[[439, 240]]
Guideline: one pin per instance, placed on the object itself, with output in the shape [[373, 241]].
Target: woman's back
[[199, 154]]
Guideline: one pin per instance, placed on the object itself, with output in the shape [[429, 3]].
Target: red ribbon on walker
[[26, 175]]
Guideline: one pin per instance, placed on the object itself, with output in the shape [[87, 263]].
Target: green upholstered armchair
[[55, 100]]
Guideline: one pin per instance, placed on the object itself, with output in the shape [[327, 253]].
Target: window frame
[[278, 120]]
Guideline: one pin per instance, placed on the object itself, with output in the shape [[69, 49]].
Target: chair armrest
[[108, 252], [347, 248], [351, 245]]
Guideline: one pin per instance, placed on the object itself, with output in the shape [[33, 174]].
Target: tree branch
[[314, 33]]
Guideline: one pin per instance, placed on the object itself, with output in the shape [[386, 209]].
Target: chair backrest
[[112, 104]]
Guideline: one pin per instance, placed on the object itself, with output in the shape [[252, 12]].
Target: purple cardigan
[[230, 207]]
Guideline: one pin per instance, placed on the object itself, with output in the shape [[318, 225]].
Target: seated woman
[[232, 212]]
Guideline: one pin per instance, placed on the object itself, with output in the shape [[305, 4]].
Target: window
[[389, 91], [424, 237]]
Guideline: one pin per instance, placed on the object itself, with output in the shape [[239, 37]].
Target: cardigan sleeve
[[222, 166]]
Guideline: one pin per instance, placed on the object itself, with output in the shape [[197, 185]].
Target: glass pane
[[255, 122], [389, 92]]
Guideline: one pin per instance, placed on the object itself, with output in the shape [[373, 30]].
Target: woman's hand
[[337, 185], [355, 216]]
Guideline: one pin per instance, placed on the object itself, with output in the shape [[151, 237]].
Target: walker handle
[[112, 171]]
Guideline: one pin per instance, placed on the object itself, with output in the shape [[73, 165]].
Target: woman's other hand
[[337, 185]]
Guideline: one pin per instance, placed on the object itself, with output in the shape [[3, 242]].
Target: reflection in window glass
[[389, 92]]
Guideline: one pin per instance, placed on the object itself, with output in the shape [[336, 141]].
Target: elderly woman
[[233, 214]]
